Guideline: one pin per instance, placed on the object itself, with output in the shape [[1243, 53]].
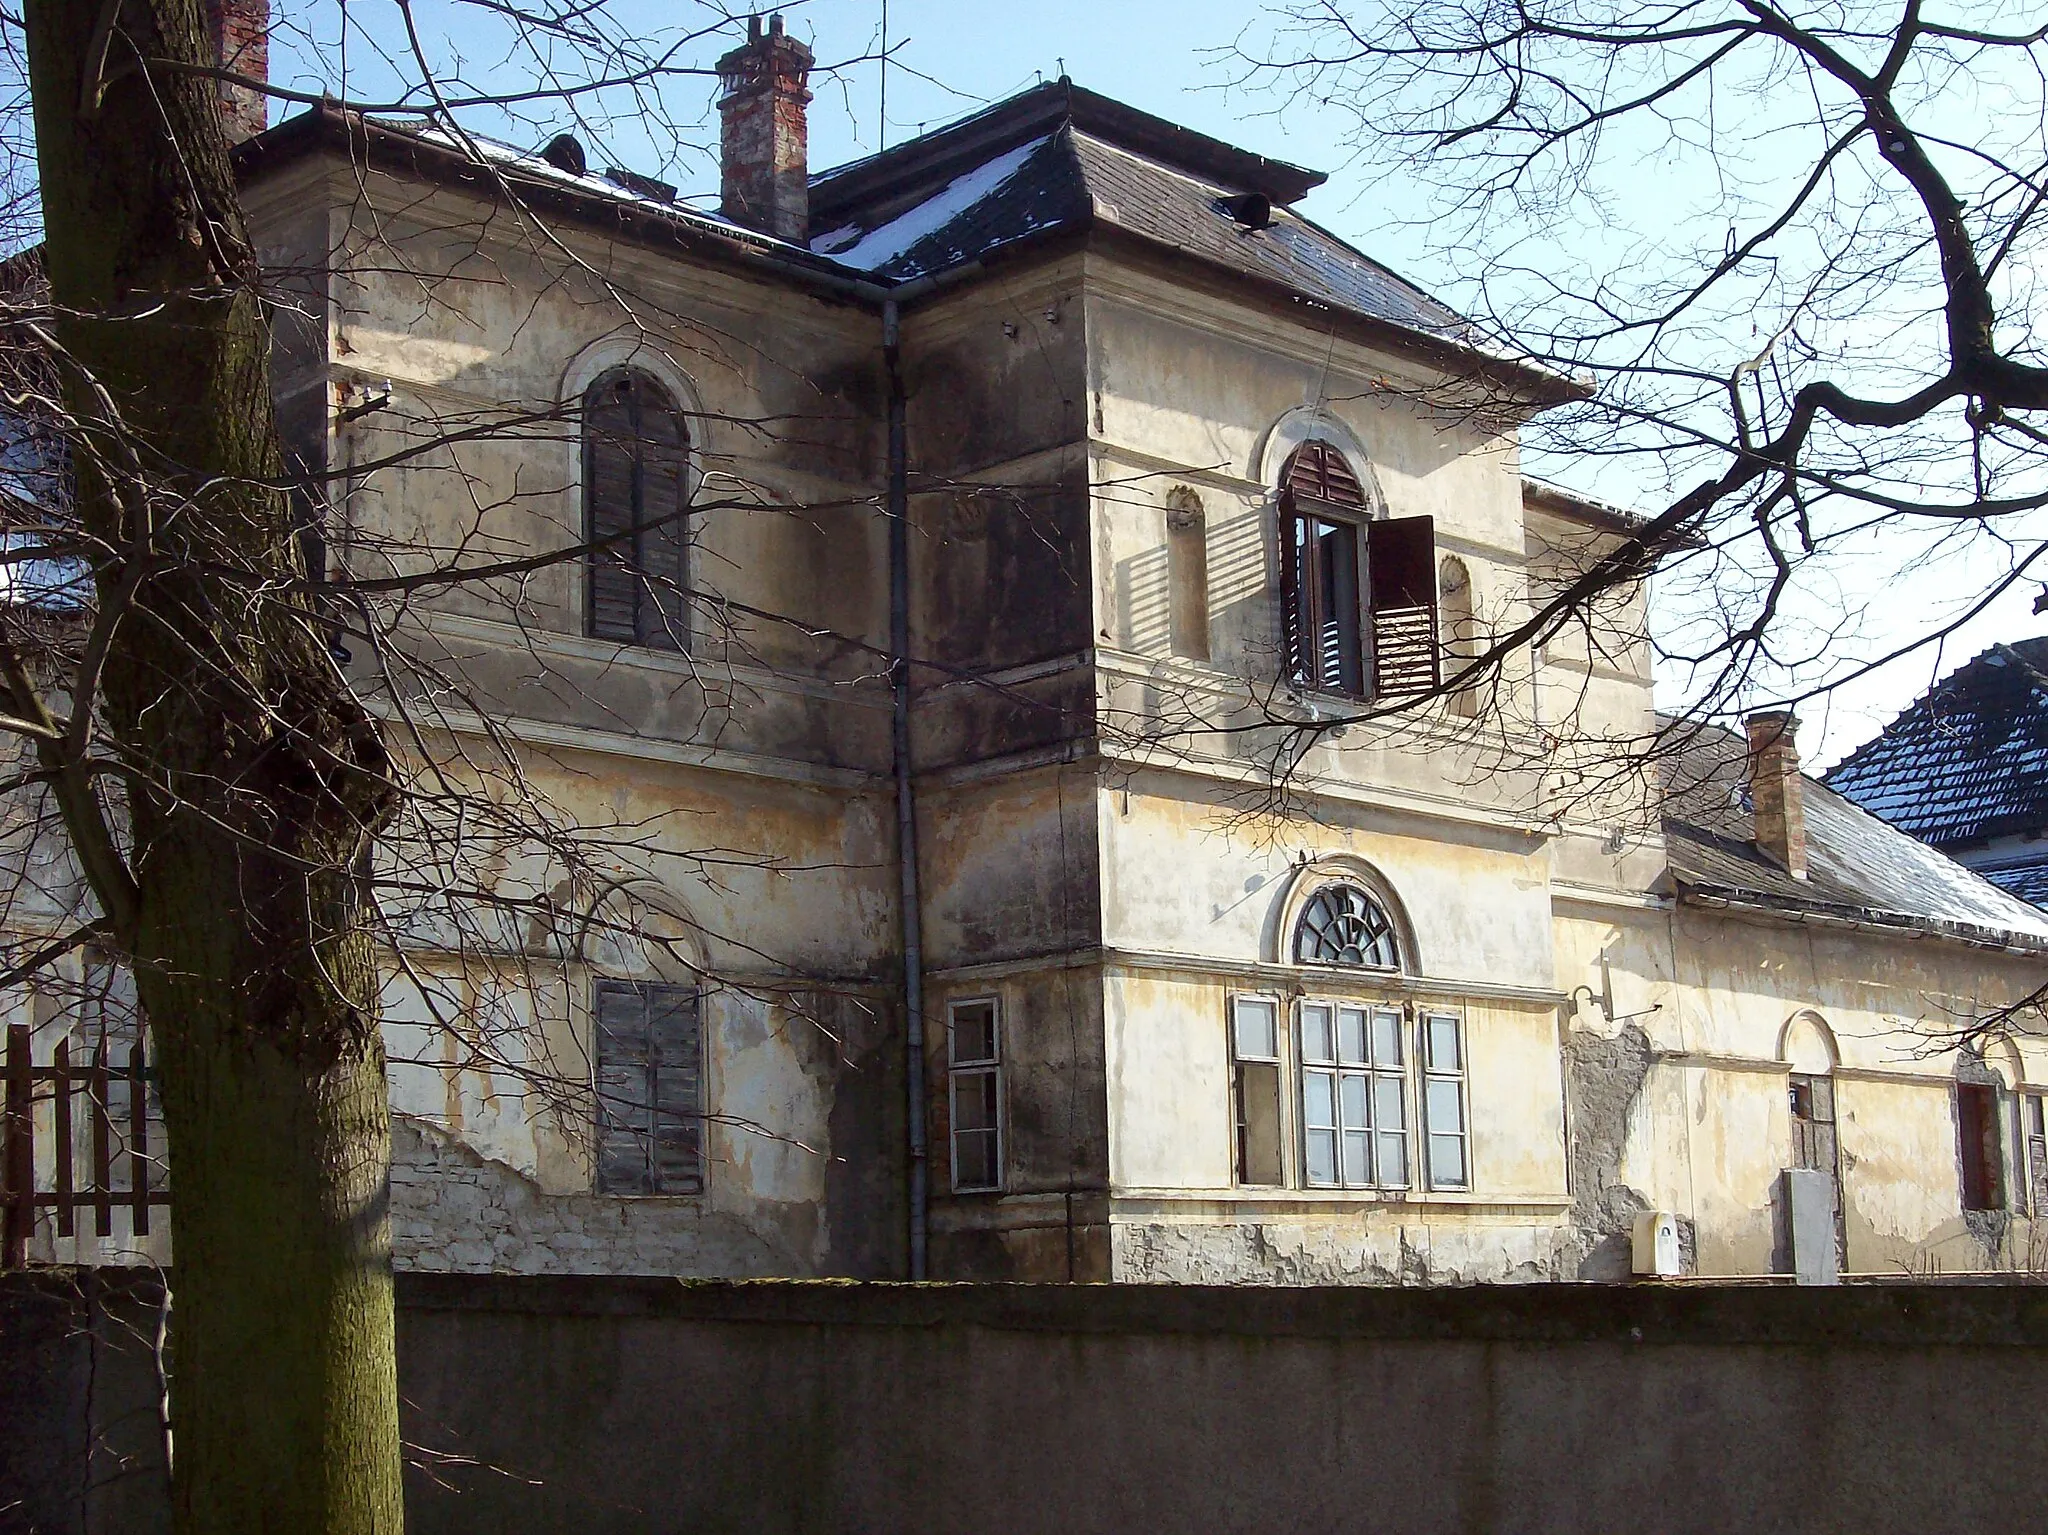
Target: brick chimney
[[764, 145], [1776, 789], [240, 30]]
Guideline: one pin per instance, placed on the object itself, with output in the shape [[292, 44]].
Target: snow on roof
[[888, 243]]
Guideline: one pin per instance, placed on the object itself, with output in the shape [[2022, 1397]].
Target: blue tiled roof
[[2028, 881], [1967, 762]]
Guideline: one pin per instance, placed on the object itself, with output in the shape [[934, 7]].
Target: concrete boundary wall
[[604, 1404]]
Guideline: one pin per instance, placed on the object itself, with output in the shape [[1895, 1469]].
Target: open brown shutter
[[1292, 650], [608, 454], [1401, 566]]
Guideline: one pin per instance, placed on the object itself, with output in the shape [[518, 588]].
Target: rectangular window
[[2034, 1127], [1354, 1097], [1321, 556], [1443, 1100], [1813, 1123], [975, 1094], [1342, 635], [650, 1108], [1982, 1157], [1255, 1055]]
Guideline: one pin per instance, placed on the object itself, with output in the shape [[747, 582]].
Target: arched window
[[635, 489], [1342, 925], [1358, 595]]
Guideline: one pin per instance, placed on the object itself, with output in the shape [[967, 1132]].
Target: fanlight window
[[1342, 925]]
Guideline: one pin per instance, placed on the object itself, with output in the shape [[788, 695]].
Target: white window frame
[[1359, 1077], [2033, 1145], [1431, 1072], [1377, 1076], [1278, 1061], [988, 1068]]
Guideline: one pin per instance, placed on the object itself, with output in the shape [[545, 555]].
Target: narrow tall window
[[635, 489], [975, 1094], [1813, 1122], [2034, 1126], [650, 1109], [1983, 1162], [1255, 1051], [1443, 1101], [1815, 1140], [1187, 573], [1354, 1118]]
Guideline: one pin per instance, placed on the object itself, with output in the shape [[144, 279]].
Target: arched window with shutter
[[636, 452], [1358, 594]]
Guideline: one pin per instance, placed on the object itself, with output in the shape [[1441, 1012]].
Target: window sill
[[1132, 1201]]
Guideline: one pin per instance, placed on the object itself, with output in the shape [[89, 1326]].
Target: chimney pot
[[239, 31], [1777, 788], [764, 148]]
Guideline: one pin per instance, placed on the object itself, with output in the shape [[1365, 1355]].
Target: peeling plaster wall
[[802, 1164], [739, 791], [1363, 1247], [1682, 1103]]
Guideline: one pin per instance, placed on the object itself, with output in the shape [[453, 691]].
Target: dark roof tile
[[1969, 760]]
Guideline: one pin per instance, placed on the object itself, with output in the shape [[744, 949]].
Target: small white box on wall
[[1656, 1245]]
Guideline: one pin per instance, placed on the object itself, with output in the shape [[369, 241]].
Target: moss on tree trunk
[[233, 858]]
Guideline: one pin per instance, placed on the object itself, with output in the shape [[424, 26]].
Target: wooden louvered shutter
[[1319, 471], [1401, 567], [608, 464], [650, 1115], [1293, 652], [665, 545]]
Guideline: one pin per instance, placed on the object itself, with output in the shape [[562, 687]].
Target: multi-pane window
[[1443, 1100], [1978, 1146], [1354, 1097], [650, 1108], [635, 491], [1342, 925], [975, 1094], [1255, 1096], [1378, 1099]]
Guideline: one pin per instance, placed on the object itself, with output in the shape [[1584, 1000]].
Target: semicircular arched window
[[1342, 925]]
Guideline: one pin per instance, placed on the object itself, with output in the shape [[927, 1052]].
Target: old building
[[983, 573], [1965, 769]]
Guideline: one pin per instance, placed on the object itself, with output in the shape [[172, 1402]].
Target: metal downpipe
[[906, 811]]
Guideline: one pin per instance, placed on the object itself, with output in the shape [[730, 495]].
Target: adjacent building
[[1965, 769]]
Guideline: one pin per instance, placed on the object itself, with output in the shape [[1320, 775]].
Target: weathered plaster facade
[[1103, 855]]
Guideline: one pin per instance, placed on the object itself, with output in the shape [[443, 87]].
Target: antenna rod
[[882, 133]]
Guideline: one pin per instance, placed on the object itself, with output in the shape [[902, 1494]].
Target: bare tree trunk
[[232, 862]]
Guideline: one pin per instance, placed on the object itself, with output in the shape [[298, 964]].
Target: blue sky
[[1172, 57]]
